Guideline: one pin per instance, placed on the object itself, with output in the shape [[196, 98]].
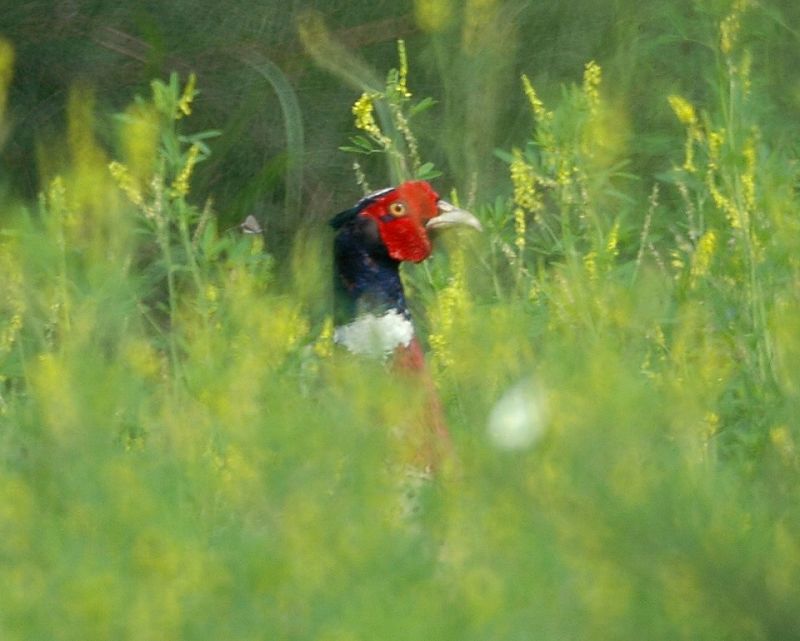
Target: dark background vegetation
[[647, 49]]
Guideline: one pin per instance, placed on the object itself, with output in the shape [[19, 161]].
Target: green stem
[[162, 233]]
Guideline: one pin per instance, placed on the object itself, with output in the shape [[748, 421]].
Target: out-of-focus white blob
[[519, 419]]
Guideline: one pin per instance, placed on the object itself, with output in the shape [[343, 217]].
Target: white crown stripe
[[374, 195]]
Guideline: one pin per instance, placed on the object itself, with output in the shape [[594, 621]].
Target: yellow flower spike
[[402, 76], [590, 263], [687, 116], [676, 261], [519, 228], [405, 129], [749, 175], [12, 302], [9, 335], [592, 77], [57, 196], [724, 204], [364, 111], [684, 110], [701, 260], [744, 72], [715, 141], [126, 182], [731, 25], [523, 177], [323, 346], [6, 73], [212, 293], [451, 305], [658, 337], [537, 106], [361, 177], [535, 291], [188, 95], [688, 156], [612, 248], [180, 186], [564, 176]]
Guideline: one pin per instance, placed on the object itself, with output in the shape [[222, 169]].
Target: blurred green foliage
[[185, 455]]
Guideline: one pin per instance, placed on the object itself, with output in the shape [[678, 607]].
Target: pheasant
[[372, 239]]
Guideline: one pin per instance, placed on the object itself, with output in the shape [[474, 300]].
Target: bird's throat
[[375, 335]]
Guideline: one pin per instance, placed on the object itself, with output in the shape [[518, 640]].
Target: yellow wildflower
[[564, 176], [523, 177], [181, 183], [592, 77], [519, 228], [363, 111], [730, 26], [185, 102], [452, 304], [537, 105], [57, 197], [404, 128], [749, 175], [683, 110], [676, 261], [126, 182], [9, 335], [535, 291], [744, 72], [590, 263], [361, 177], [402, 75], [715, 142], [701, 259], [613, 239], [736, 217], [323, 346], [658, 337], [6, 72], [687, 116]]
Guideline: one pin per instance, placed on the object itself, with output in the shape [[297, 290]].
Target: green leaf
[[422, 105], [426, 171]]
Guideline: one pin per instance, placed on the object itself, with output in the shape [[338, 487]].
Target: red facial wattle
[[406, 240], [401, 216]]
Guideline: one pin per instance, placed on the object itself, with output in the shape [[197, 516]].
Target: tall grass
[[185, 455]]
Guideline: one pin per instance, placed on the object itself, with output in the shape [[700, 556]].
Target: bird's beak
[[450, 215]]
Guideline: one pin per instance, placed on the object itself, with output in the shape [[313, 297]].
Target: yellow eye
[[397, 209]]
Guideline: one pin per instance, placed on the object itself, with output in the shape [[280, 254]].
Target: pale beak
[[450, 215]]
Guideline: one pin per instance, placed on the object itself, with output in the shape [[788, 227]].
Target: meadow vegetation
[[184, 453]]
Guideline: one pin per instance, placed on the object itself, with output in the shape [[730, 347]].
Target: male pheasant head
[[381, 231]]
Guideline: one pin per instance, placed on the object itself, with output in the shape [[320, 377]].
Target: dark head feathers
[[347, 215]]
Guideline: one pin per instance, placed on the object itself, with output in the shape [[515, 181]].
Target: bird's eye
[[397, 209]]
